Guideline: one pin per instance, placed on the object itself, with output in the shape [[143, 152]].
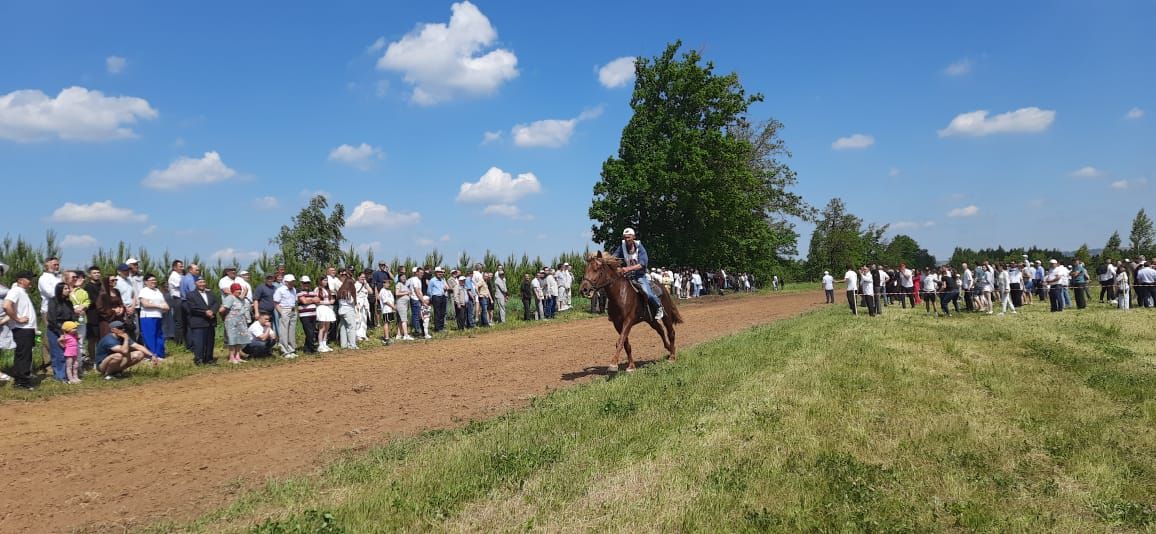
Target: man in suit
[[202, 318]]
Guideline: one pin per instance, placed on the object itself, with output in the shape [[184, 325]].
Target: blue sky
[[203, 127]]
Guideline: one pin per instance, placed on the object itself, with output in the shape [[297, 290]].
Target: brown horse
[[626, 307]]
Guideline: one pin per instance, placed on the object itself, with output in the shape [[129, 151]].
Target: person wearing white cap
[[285, 297], [829, 287], [565, 281], [634, 262], [1055, 280]]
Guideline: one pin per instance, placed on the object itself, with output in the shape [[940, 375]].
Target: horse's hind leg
[[661, 334], [672, 349], [629, 354]]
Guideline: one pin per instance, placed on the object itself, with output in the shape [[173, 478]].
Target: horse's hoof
[[629, 369]]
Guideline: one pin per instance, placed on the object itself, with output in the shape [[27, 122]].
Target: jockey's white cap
[[628, 231]]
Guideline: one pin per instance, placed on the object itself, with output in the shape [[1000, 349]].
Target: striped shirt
[[306, 310]]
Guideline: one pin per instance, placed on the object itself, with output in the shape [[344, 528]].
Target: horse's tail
[[671, 308]]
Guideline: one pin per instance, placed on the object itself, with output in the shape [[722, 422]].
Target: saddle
[[636, 285]]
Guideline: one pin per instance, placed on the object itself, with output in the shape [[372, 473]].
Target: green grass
[[824, 422]]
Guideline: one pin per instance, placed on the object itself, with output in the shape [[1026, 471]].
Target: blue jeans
[[469, 313], [483, 315], [650, 296], [1055, 297], [56, 353]]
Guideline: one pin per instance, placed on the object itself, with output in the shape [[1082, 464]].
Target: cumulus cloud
[[1134, 113], [507, 210], [442, 61], [977, 123], [1087, 171], [97, 212], [78, 241], [230, 254], [617, 73], [853, 142], [550, 133], [1129, 184], [491, 137], [959, 68], [115, 64], [76, 114], [208, 169], [372, 214], [373, 246], [499, 187], [359, 157], [966, 211], [911, 225], [266, 203]]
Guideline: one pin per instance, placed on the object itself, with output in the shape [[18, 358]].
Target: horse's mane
[[607, 259]]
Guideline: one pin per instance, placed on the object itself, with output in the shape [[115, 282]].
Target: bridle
[[601, 274]]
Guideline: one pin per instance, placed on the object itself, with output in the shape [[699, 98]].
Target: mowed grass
[[824, 422]]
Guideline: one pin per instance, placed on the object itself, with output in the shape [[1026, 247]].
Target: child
[[426, 309], [388, 315], [71, 344]]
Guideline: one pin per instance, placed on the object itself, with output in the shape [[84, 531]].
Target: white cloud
[[959, 68], [507, 210], [1087, 171], [78, 241], [1134, 113], [550, 133], [499, 187], [424, 241], [230, 254], [1129, 184], [96, 212], [149, 230], [894, 172], [442, 61], [377, 46], [371, 246], [115, 64], [266, 203], [444, 238], [966, 211], [977, 123], [360, 157], [372, 214], [491, 137], [184, 171], [617, 73], [855, 141], [76, 114], [911, 225]]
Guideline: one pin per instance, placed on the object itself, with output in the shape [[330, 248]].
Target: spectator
[[347, 314], [188, 286], [484, 299], [326, 316], [415, 295], [174, 320], [60, 311], [1145, 278], [1055, 280], [362, 289], [262, 337], [152, 312], [461, 299], [263, 299], [226, 282], [307, 301], [116, 352], [109, 305], [92, 286], [203, 305], [285, 299], [436, 289], [1122, 288], [21, 320], [852, 279], [1003, 279], [1079, 281], [930, 285], [540, 294], [401, 302], [426, 312], [385, 301], [70, 343], [829, 287], [81, 303], [236, 313], [867, 288]]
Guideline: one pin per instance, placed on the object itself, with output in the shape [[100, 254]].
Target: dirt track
[[108, 460]]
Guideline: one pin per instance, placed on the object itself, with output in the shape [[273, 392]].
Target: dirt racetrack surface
[[125, 458]]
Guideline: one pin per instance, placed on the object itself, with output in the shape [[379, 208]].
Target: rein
[[601, 275]]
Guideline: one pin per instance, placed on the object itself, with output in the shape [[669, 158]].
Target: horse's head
[[599, 272]]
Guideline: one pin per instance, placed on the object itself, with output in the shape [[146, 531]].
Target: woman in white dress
[[325, 317], [363, 290]]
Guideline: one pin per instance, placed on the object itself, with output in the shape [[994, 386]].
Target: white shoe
[[289, 356], [659, 314], [407, 338], [427, 336]]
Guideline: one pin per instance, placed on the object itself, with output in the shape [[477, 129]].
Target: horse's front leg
[[624, 342]]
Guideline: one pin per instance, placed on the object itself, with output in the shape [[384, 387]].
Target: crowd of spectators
[[1008, 286]]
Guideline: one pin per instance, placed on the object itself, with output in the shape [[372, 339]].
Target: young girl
[[426, 310], [70, 342], [325, 316], [385, 300]]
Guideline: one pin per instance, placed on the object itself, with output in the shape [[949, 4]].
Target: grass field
[[822, 422]]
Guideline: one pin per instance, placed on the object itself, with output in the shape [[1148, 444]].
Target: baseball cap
[[628, 231], [242, 273], [1053, 261], [415, 269], [122, 267], [305, 279], [131, 261], [440, 269], [117, 325], [289, 278], [461, 279]]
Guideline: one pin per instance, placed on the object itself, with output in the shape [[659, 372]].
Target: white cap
[[1053, 261], [824, 272], [242, 273], [628, 231], [131, 261], [289, 278], [461, 279], [415, 269], [305, 278]]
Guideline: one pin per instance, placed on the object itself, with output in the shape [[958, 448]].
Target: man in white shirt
[[1056, 285], [539, 295], [227, 281], [968, 283], [829, 287], [852, 279], [906, 285], [264, 338], [867, 286], [551, 294], [175, 317], [47, 283], [696, 284], [22, 320], [415, 295], [285, 300], [1145, 284]]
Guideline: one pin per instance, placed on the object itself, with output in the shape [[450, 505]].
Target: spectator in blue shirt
[[436, 291], [188, 285]]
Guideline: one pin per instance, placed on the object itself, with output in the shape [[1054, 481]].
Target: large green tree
[[1112, 250], [313, 238], [904, 249], [839, 240], [699, 183], [1141, 237]]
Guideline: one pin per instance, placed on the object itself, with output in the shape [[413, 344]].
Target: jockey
[[634, 260]]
